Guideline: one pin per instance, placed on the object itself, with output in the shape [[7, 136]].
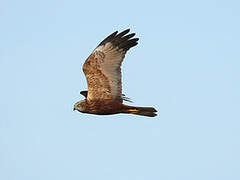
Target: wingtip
[[115, 32], [127, 30], [122, 40]]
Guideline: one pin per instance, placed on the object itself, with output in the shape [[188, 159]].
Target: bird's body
[[103, 73], [102, 107]]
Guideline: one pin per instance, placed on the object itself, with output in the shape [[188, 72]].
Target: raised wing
[[103, 67]]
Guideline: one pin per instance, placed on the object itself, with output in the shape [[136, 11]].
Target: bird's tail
[[142, 111]]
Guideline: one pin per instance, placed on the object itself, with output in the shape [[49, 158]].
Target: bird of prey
[[103, 73]]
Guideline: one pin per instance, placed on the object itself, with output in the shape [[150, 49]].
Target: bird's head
[[81, 106]]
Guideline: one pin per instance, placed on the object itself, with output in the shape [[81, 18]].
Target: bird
[[102, 70]]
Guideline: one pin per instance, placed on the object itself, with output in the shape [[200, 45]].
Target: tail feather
[[142, 111]]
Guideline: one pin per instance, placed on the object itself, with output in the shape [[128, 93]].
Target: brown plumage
[[124, 98], [103, 73]]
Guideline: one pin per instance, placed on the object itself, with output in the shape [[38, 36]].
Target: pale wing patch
[[110, 67]]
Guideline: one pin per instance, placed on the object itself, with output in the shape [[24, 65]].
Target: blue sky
[[186, 65]]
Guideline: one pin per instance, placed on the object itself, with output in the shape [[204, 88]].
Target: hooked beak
[[74, 108]]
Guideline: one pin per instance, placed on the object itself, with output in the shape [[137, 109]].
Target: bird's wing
[[124, 97], [103, 67], [84, 93]]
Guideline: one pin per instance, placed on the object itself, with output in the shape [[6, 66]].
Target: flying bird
[[102, 70]]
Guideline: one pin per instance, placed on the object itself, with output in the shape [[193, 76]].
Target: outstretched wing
[[103, 67]]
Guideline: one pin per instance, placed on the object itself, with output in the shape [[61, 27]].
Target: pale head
[[81, 106]]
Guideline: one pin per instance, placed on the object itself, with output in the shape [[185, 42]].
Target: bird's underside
[[103, 73], [109, 108]]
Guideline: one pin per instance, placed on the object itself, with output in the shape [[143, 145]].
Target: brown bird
[[103, 73]]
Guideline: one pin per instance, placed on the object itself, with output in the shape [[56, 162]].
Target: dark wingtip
[[84, 93], [109, 38], [123, 40], [121, 34]]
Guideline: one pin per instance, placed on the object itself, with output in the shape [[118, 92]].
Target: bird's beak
[[74, 109]]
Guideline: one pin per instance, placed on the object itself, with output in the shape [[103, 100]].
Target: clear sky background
[[186, 65]]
